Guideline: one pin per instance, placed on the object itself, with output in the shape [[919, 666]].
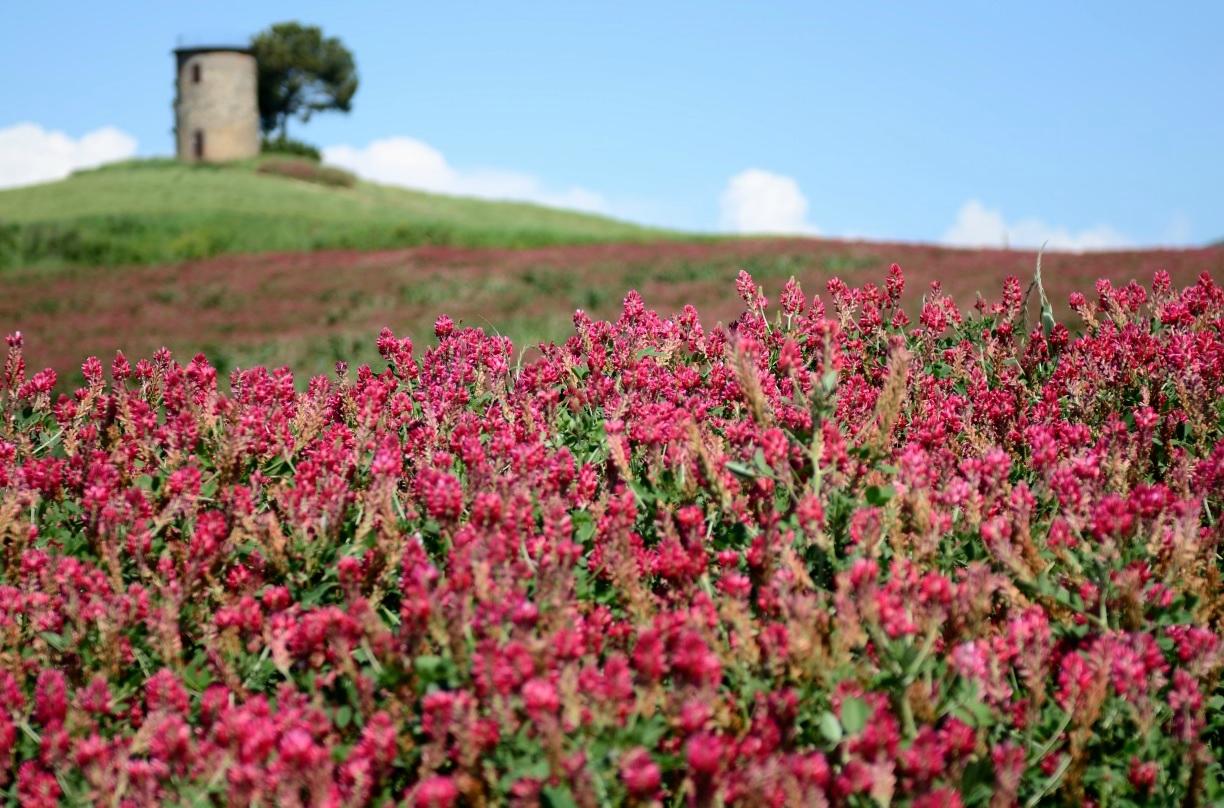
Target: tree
[[300, 73]]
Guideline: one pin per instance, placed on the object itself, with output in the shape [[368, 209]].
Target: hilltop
[[161, 211]]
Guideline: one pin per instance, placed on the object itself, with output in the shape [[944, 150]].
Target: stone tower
[[216, 111]]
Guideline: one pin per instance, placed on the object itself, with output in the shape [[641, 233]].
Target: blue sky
[[1092, 124]]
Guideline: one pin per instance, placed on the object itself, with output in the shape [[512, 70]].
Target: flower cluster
[[827, 555]]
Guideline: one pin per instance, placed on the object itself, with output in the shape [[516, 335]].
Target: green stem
[[1050, 784]]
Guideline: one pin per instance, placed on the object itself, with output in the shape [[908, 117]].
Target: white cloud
[[30, 154], [979, 226], [413, 163], [757, 201]]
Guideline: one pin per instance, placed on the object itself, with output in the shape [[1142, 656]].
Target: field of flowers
[[826, 556]]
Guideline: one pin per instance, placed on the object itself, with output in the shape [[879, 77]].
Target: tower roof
[[193, 49]]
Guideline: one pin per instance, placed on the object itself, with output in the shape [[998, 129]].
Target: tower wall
[[218, 114]]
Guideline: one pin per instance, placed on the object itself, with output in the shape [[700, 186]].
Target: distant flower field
[[825, 556]]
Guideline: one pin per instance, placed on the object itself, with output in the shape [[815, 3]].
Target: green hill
[[154, 211]]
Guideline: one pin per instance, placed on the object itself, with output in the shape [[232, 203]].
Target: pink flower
[[435, 792], [640, 773], [443, 327], [699, 535], [939, 798], [540, 697], [747, 290], [299, 750], [37, 787], [50, 697], [704, 752], [1143, 774]]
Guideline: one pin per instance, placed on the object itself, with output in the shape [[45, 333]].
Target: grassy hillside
[[155, 211]]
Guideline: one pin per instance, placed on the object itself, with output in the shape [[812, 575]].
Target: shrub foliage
[[308, 171], [291, 147], [823, 556]]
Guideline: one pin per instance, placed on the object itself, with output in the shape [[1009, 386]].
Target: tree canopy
[[301, 72]]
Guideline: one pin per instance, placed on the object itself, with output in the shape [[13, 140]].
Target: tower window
[[195, 73], [197, 144]]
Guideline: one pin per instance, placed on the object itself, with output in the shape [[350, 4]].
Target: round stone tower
[[216, 111]]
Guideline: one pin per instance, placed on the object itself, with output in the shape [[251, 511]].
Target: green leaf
[[644, 494], [315, 596], [196, 675], [854, 715], [977, 783], [1047, 311], [209, 489], [878, 495], [645, 732], [344, 716], [742, 470], [974, 713], [830, 727], [531, 767], [558, 796], [429, 667], [584, 527], [56, 641], [1047, 320]]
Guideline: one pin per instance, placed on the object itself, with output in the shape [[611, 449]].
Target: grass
[[162, 211]]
